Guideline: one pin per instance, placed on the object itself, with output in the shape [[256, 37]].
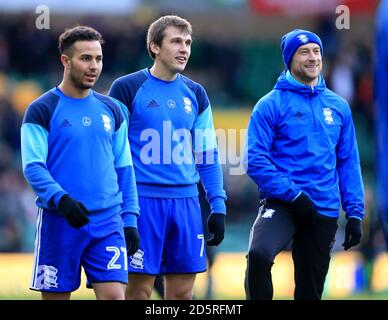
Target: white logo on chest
[[86, 121], [328, 113], [171, 103], [187, 104], [107, 122]]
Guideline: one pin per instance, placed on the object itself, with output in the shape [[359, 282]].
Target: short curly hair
[[78, 33]]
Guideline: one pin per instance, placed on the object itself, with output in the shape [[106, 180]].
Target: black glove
[[74, 211], [304, 209], [132, 239], [353, 233], [216, 226]]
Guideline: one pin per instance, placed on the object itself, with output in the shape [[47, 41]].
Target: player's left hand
[[353, 233], [132, 239], [216, 226]]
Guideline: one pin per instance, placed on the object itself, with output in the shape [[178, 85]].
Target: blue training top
[[172, 137], [79, 147]]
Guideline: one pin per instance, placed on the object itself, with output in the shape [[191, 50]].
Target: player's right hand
[[74, 211]]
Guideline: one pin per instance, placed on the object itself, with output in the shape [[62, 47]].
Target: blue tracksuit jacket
[[302, 138]]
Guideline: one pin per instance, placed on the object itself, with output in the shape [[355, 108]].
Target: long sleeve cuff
[[129, 219], [217, 205], [57, 197], [358, 216]]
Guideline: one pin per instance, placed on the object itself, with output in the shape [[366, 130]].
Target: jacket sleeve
[[257, 156], [126, 176], [208, 166], [349, 170]]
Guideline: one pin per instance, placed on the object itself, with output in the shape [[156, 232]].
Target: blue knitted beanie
[[293, 40]]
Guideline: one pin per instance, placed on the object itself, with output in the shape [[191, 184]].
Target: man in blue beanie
[[302, 153]]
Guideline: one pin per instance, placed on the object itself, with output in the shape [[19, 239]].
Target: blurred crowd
[[235, 75]]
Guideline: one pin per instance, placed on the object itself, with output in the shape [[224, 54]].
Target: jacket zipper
[[312, 110]]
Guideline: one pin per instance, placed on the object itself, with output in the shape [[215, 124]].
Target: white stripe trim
[[37, 249], [299, 193], [253, 227]]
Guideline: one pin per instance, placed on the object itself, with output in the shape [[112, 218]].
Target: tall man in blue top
[[302, 153], [381, 100], [173, 147], [76, 157]]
